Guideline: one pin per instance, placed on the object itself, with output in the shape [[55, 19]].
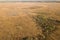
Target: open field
[[29, 21]]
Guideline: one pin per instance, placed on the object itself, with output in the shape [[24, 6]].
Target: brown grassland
[[29, 21]]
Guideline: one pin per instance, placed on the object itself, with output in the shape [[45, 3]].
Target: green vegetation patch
[[48, 25]]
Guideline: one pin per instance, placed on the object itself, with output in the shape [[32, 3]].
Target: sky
[[29, 0]]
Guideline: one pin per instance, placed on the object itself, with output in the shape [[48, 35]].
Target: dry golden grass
[[18, 21]]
